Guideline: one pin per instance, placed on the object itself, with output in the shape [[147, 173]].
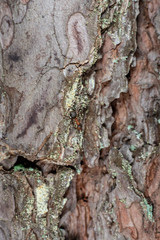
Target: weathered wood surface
[[42, 43], [79, 90]]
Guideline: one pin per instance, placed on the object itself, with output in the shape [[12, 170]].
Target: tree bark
[[79, 119]]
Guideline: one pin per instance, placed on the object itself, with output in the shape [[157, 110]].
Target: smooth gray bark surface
[[42, 43]]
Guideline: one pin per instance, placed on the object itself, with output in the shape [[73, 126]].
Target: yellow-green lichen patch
[[40, 201], [71, 94], [29, 205], [42, 196]]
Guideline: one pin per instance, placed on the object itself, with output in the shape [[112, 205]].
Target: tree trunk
[[79, 119]]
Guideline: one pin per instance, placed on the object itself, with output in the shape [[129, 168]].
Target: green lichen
[[133, 148], [148, 209], [127, 168], [113, 173], [123, 200], [138, 135], [115, 60], [129, 127], [21, 167]]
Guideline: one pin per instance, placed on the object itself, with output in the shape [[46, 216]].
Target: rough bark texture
[[79, 119]]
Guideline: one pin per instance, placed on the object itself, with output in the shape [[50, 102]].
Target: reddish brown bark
[[136, 111]]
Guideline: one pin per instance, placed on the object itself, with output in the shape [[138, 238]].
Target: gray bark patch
[[78, 38]]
